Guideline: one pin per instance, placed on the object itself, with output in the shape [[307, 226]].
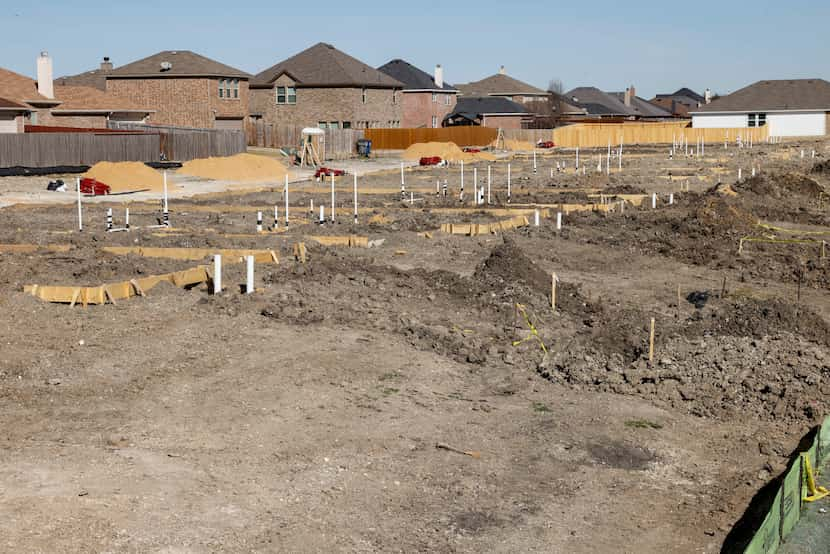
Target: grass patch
[[643, 424], [540, 407], [389, 391]]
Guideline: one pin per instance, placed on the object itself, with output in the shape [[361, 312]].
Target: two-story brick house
[[326, 88], [427, 99], [184, 88]]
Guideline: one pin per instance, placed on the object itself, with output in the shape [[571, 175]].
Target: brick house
[[183, 88], [680, 102], [504, 86], [427, 99], [43, 103], [324, 87], [488, 111]]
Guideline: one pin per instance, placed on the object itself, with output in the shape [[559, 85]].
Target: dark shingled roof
[[788, 94], [489, 105], [412, 77], [498, 84], [641, 106], [683, 93], [598, 102], [323, 65], [96, 78], [184, 64]]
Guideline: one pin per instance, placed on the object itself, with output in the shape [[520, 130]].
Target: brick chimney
[[439, 76], [502, 71], [106, 65], [44, 75], [630, 93]]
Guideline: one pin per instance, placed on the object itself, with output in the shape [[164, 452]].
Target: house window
[[434, 97], [347, 124], [757, 120], [227, 84], [321, 124], [447, 100], [334, 125], [434, 121], [364, 95], [221, 88], [236, 88], [291, 93]]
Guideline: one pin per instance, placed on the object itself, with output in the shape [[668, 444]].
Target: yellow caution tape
[[816, 492], [781, 241], [793, 231], [533, 332]]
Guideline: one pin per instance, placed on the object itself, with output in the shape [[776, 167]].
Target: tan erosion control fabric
[[241, 167]]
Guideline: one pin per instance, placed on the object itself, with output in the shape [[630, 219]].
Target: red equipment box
[[93, 187], [432, 160]]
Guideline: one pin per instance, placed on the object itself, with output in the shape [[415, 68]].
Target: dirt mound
[[508, 269], [779, 185], [241, 167], [623, 189], [126, 176], [821, 167], [720, 214], [448, 151]]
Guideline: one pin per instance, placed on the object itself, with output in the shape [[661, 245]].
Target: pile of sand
[[126, 176], [516, 145], [448, 151], [241, 167]]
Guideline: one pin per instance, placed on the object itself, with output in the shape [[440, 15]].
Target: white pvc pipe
[[355, 198], [127, 218], [249, 282], [577, 158], [217, 273], [109, 219], [276, 216], [402, 178], [488, 185], [621, 149], [475, 185], [286, 200], [739, 173], [411, 197], [322, 214], [165, 213], [462, 181], [558, 221], [534, 160], [653, 200], [608, 161], [508, 183], [259, 222], [671, 198], [332, 194], [80, 210], [536, 218]]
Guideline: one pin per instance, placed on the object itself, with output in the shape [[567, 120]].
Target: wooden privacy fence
[[184, 143], [592, 135], [401, 139], [338, 144], [74, 149]]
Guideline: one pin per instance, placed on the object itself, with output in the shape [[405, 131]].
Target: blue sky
[[657, 46]]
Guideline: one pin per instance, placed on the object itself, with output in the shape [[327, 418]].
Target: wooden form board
[[476, 229], [351, 241], [229, 255], [111, 292]]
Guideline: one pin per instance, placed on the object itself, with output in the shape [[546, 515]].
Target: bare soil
[[305, 416]]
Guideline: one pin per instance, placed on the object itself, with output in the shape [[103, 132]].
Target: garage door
[[8, 124], [229, 124]]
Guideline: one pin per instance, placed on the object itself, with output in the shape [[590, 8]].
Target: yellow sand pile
[[448, 151], [241, 167], [516, 145], [126, 176]]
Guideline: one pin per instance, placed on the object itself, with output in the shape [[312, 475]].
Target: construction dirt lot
[[307, 416]]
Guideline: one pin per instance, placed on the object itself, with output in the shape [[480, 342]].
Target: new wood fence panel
[[73, 149], [593, 135], [401, 139]]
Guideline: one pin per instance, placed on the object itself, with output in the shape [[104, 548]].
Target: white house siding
[[8, 123], [719, 121], [804, 124]]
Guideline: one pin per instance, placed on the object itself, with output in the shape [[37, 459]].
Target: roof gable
[[498, 84], [183, 63], [490, 105], [598, 102], [412, 77], [21, 89], [323, 65], [774, 95], [642, 107]]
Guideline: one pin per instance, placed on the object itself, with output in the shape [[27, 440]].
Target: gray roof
[[642, 107], [183, 64], [472, 107], [412, 77], [683, 94], [96, 78], [781, 95], [323, 65], [598, 102], [499, 84]]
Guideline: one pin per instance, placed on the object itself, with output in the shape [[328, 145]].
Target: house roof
[[184, 63], [641, 106], [683, 93], [498, 84], [598, 102], [21, 89], [9, 105], [412, 77], [323, 65], [472, 107], [95, 78], [780, 95], [89, 99]]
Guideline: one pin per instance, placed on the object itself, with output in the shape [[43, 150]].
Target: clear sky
[[657, 46]]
